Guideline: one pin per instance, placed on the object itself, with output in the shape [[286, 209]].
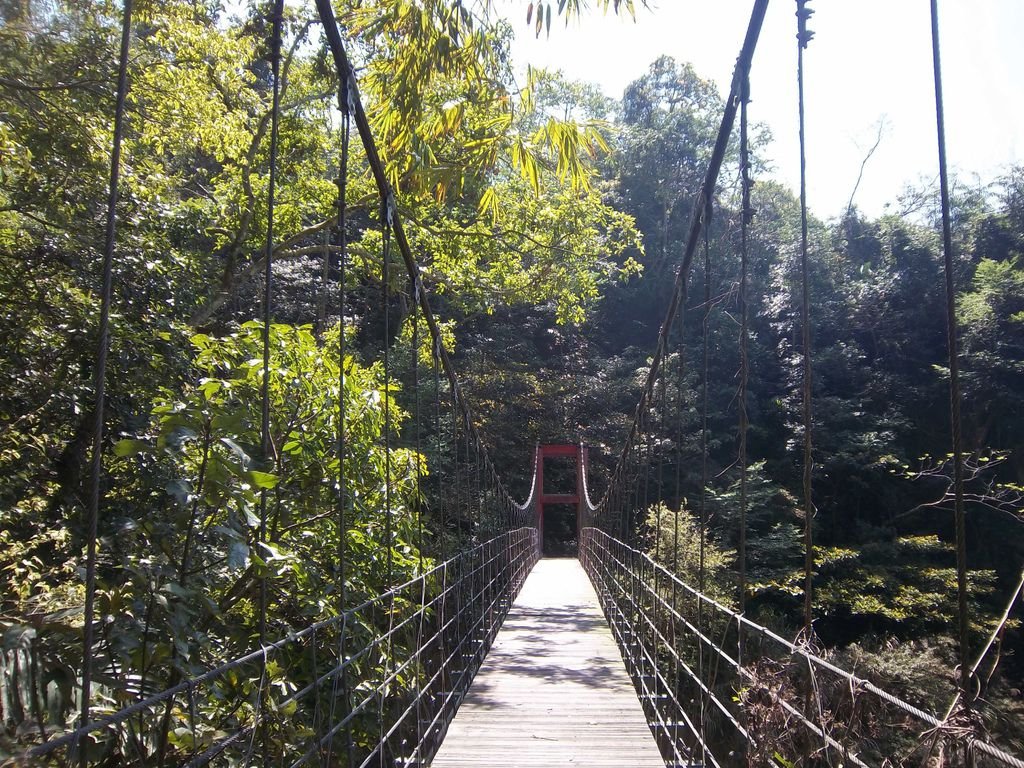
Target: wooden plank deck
[[553, 690]]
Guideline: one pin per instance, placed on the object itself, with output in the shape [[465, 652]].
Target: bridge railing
[[721, 690], [376, 685]]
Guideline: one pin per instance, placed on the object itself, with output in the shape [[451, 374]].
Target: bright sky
[[870, 62]]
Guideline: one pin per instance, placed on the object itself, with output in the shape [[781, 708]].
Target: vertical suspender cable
[[441, 494], [677, 493], [662, 440], [100, 384], [457, 496], [385, 214], [745, 215], [416, 426], [954, 363], [345, 106], [680, 416], [265, 437], [706, 330], [342, 240], [478, 489], [419, 667], [803, 38], [645, 435], [704, 475]]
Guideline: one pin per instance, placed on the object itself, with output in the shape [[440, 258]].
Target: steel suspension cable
[[954, 364], [100, 380], [680, 506], [457, 497], [803, 38], [645, 433]]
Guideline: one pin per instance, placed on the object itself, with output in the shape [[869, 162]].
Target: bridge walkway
[[553, 690]]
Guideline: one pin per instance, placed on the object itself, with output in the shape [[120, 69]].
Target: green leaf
[[131, 447], [489, 204], [263, 479]]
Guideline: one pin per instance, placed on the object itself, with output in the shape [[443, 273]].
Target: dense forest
[[549, 222]]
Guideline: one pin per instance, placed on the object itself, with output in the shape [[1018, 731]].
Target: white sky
[[870, 61]]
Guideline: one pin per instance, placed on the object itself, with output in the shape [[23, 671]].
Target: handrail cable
[[801, 650], [993, 636]]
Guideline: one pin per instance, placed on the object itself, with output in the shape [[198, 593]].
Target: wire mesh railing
[[376, 685], [721, 690]]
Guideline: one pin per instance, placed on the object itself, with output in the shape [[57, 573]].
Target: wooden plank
[[553, 690]]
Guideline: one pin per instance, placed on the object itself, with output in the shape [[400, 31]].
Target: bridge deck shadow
[[553, 690]]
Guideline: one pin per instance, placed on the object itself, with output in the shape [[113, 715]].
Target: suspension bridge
[[496, 655]]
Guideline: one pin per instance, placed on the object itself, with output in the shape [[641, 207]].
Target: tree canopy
[[548, 221]]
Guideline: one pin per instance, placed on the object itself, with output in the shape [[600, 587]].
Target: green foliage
[[773, 526], [181, 547], [572, 9], [906, 587], [513, 198], [674, 540], [211, 439]]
